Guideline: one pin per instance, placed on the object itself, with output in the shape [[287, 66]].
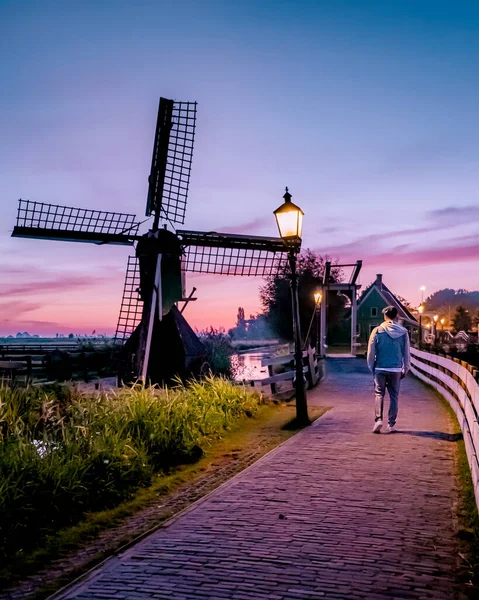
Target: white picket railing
[[460, 388]]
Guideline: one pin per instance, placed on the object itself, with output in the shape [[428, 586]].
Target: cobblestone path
[[336, 512]]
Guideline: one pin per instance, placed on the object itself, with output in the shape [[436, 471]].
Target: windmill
[[156, 339]]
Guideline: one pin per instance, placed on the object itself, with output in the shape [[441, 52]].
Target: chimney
[[379, 281]]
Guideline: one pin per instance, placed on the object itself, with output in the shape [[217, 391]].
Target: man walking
[[388, 359]]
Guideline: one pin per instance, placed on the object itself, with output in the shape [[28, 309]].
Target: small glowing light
[[318, 296], [436, 317], [420, 309], [422, 288], [443, 321]]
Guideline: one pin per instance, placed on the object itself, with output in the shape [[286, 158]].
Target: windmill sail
[[171, 162], [65, 223], [131, 303], [228, 254]]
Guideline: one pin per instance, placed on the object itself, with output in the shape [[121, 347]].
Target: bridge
[[335, 512]]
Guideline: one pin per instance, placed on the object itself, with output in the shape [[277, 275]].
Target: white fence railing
[[458, 385]]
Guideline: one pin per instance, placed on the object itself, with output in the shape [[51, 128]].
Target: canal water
[[247, 365]]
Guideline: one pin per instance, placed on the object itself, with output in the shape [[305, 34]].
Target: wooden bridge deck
[[336, 512]]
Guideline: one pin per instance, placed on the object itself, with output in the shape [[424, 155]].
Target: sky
[[367, 110]]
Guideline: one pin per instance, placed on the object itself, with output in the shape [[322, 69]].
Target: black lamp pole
[[420, 328], [318, 318], [301, 403]]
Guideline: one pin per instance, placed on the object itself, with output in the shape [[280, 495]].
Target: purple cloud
[[453, 216]]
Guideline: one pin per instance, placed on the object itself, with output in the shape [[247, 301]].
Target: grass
[[466, 508], [246, 441], [64, 454], [99, 459]]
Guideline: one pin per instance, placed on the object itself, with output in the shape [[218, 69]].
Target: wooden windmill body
[[157, 342]]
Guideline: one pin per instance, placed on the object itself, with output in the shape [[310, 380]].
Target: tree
[[462, 320], [448, 299], [404, 302], [275, 295]]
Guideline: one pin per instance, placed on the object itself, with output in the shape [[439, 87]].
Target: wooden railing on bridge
[[311, 370], [458, 383]]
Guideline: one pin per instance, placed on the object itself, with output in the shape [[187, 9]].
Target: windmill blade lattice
[[131, 303], [171, 163], [51, 221], [228, 254]]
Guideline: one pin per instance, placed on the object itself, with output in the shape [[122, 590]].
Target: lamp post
[[435, 319], [422, 289], [421, 310], [289, 219], [318, 296]]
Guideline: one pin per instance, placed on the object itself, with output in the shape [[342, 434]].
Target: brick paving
[[336, 512]]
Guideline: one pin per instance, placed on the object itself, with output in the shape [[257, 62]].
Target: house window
[[374, 311]]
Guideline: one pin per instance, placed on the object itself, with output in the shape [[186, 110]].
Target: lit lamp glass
[[436, 317], [420, 309], [289, 218], [318, 296], [443, 321]]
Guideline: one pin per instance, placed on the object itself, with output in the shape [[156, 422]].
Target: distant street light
[[435, 319], [423, 289], [289, 219], [318, 296], [421, 310]]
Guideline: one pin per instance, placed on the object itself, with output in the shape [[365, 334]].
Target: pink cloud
[[13, 310], [59, 284], [402, 255], [255, 225]]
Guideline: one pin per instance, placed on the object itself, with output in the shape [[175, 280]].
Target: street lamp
[[421, 310], [422, 289], [318, 296], [435, 319], [289, 219]]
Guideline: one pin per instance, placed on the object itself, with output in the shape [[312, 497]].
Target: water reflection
[[248, 366]]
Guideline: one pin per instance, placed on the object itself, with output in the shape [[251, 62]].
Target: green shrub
[[218, 350]]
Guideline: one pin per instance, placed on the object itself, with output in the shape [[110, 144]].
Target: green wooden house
[[370, 305]]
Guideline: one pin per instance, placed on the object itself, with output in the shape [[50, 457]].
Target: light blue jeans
[[391, 382]]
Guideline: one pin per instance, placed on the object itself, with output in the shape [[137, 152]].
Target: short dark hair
[[391, 312]]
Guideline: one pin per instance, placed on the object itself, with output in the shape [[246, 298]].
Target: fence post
[[312, 376], [273, 385], [29, 367]]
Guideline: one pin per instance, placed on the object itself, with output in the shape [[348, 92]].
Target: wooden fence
[[311, 370], [38, 365], [457, 382]]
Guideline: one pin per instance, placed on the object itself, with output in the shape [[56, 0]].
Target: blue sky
[[366, 110]]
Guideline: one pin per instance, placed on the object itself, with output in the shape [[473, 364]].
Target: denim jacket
[[389, 347]]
